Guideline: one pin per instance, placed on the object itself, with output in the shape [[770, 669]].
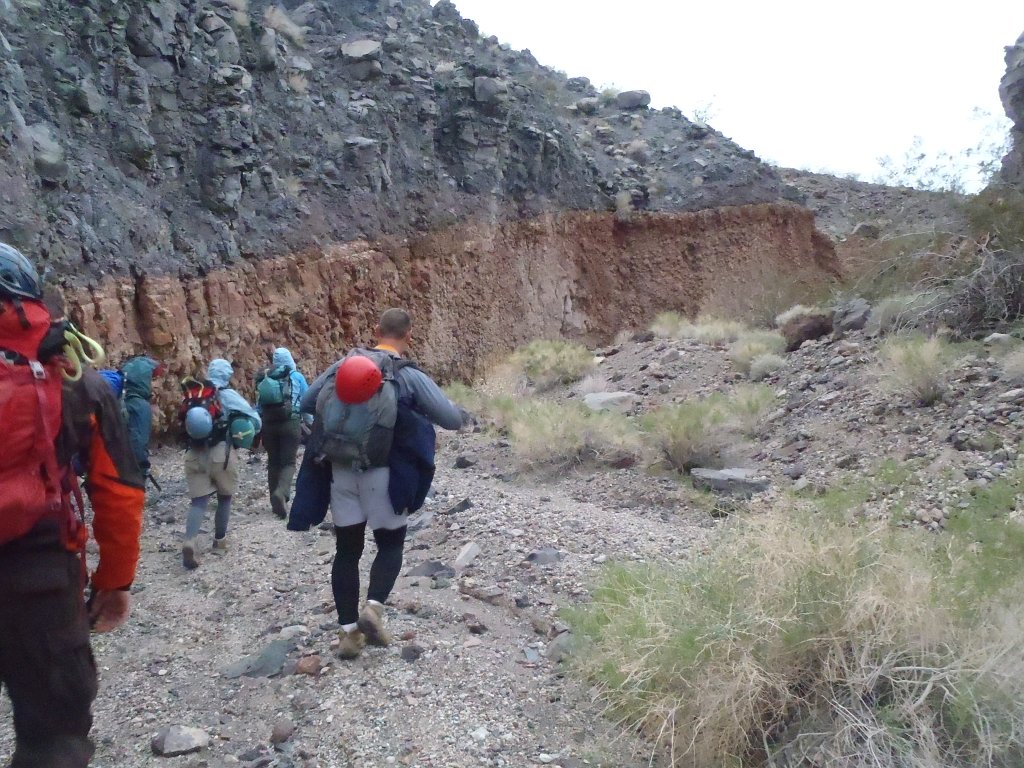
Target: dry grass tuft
[[753, 344], [917, 367], [549, 364], [763, 366], [896, 313], [277, 19], [688, 435], [797, 310], [593, 384], [556, 436], [802, 640], [749, 408], [710, 330]]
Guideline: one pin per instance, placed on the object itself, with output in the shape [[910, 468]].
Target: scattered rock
[[175, 740], [1000, 340], [733, 482], [589, 105], [432, 568], [282, 732], [545, 556], [463, 461], [309, 665], [1012, 396], [623, 402], [851, 315], [867, 230], [412, 652], [489, 90], [559, 648], [632, 99], [267, 663], [794, 471], [361, 50], [462, 506], [467, 555]]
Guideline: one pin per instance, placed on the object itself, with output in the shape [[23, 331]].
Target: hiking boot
[[220, 546], [188, 554], [277, 504], [371, 622], [352, 643]]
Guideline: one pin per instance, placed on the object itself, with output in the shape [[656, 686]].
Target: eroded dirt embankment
[[475, 291]]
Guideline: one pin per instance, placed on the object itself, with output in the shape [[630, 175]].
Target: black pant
[[281, 440], [46, 663], [345, 571]]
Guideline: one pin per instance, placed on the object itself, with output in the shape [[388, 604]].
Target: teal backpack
[[274, 394]]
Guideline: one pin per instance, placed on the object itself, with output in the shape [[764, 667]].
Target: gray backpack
[[360, 436]]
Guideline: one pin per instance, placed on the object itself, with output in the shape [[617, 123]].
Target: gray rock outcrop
[[1011, 92]]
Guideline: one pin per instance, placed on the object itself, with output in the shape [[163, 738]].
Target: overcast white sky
[[811, 84]]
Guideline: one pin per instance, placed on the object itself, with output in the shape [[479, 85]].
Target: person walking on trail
[[58, 415], [138, 375], [279, 391], [357, 402], [217, 421]]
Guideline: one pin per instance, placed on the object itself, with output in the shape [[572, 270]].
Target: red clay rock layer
[[476, 291]]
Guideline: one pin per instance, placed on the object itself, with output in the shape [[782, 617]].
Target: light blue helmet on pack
[[198, 423]]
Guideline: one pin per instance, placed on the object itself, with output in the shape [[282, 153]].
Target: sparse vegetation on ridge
[[917, 368], [551, 363]]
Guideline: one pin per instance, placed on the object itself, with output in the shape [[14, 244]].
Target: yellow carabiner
[[74, 373], [98, 355]]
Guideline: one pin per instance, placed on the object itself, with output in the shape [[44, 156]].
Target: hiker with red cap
[[59, 416], [373, 433]]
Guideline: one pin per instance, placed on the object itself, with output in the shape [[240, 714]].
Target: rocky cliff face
[[214, 177], [180, 136], [1011, 91], [475, 290]]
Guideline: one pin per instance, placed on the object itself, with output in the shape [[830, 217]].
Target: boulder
[[851, 315], [805, 328], [174, 740], [267, 663], [49, 154], [87, 100], [467, 555], [867, 230], [732, 482], [489, 90], [544, 556], [623, 402], [999, 340], [632, 100], [361, 50], [589, 105]]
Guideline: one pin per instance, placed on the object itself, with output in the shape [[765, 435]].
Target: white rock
[[1013, 396], [467, 555], [177, 740], [999, 339], [610, 401], [480, 734]]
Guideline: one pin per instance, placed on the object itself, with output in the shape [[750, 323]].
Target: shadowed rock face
[[475, 290], [181, 136], [1011, 91]]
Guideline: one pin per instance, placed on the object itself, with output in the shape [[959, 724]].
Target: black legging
[[383, 573]]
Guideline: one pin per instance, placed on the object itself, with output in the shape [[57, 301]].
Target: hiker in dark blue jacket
[[379, 496]]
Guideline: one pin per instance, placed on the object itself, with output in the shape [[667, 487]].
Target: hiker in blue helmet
[[279, 390], [211, 463]]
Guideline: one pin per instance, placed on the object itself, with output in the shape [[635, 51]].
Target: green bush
[[803, 640], [551, 363], [710, 330], [749, 407], [763, 366]]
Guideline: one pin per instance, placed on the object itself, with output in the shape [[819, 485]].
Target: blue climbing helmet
[[198, 423]]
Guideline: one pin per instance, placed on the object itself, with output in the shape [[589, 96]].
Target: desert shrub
[[896, 313], [797, 310], [917, 367], [763, 292], [688, 435], [668, 324], [1012, 367], [623, 206], [802, 640], [593, 384], [754, 344], [749, 407], [551, 363], [762, 366], [277, 19], [608, 95], [557, 436], [710, 330]]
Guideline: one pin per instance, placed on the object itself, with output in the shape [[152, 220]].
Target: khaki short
[[206, 473]]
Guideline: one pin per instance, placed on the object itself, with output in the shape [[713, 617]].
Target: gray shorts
[[362, 497]]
